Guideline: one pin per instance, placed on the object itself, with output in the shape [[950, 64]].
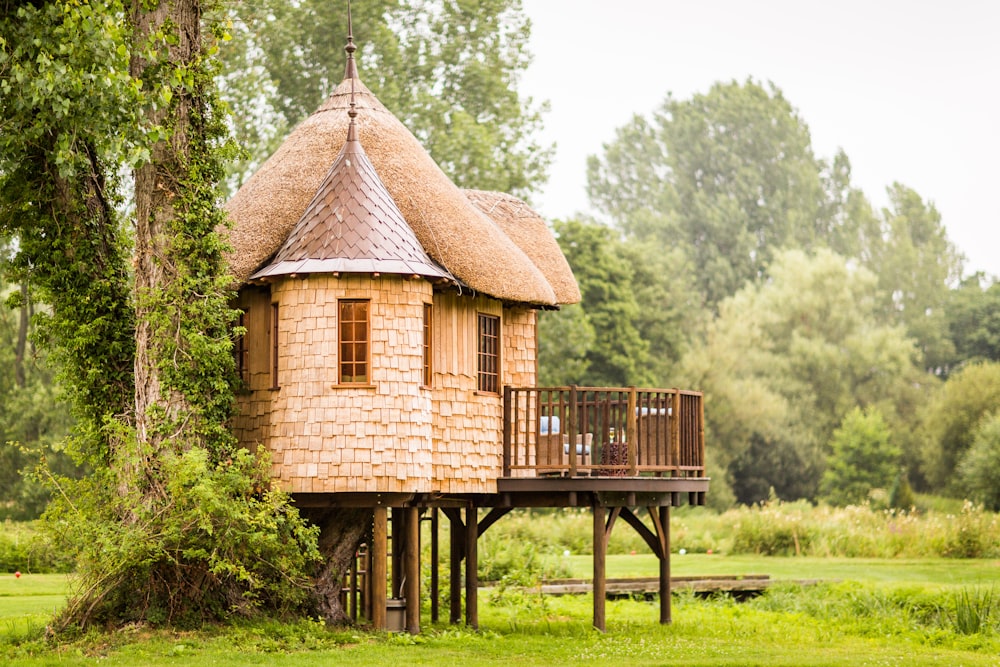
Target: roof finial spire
[[352, 72]]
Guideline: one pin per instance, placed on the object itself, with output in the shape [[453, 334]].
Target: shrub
[[979, 468]]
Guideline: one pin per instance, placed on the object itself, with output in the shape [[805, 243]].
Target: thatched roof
[[453, 231], [352, 225], [532, 235]]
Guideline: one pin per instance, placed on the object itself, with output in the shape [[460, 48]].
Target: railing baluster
[[632, 433]]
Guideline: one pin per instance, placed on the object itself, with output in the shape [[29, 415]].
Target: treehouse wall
[[394, 435]]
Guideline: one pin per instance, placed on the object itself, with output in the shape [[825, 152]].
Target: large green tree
[[954, 414], [973, 316], [618, 355], [729, 176], [784, 361], [861, 458], [174, 524], [448, 69], [916, 266]]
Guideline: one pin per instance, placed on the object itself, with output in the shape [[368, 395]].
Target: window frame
[[428, 367], [355, 343], [273, 330], [487, 373], [241, 351]]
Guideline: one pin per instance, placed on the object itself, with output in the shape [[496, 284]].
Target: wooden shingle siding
[[394, 434]]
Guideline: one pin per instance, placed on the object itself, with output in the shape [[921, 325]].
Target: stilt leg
[[457, 539], [600, 563], [471, 565], [665, 610], [378, 574], [411, 569], [435, 594]]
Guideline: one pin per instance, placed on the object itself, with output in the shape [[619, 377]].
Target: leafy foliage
[[173, 524], [861, 458], [973, 316], [979, 467], [784, 358], [216, 544], [448, 69], [954, 414], [729, 175]]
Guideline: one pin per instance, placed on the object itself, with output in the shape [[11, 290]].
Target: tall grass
[[776, 529]]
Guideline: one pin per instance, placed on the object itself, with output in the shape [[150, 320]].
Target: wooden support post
[[396, 550], [457, 538], [664, 527], [600, 568], [435, 612], [411, 569], [368, 583], [353, 608], [471, 567], [380, 543]]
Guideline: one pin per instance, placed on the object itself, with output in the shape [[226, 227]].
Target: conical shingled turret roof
[[352, 225]]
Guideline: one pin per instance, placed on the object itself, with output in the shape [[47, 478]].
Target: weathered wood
[[380, 545], [600, 568], [411, 569], [471, 567], [456, 532], [435, 567], [396, 553], [632, 433], [647, 535], [492, 517], [663, 530]]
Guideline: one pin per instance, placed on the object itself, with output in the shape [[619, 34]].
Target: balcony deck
[[603, 440]]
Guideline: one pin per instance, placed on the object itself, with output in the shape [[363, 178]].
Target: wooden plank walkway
[[740, 586]]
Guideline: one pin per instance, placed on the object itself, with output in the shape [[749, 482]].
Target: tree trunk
[[21, 344], [156, 190], [342, 531]]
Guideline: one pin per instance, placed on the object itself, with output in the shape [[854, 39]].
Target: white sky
[[910, 89]]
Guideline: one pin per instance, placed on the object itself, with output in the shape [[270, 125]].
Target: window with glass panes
[[354, 341], [428, 323], [488, 355]]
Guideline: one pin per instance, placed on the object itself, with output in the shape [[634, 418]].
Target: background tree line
[[838, 346]]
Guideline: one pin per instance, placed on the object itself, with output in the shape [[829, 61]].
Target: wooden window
[[354, 341], [428, 324], [240, 351], [274, 346], [489, 353]]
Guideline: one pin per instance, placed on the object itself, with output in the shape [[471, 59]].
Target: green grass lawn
[[875, 615]]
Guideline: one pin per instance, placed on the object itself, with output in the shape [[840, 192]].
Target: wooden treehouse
[[390, 361]]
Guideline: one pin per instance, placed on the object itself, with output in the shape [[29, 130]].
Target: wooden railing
[[602, 431]]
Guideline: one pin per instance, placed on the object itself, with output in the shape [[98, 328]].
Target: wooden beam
[[492, 517], [471, 567], [411, 569], [378, 574], [600, 567], [647, 535]]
